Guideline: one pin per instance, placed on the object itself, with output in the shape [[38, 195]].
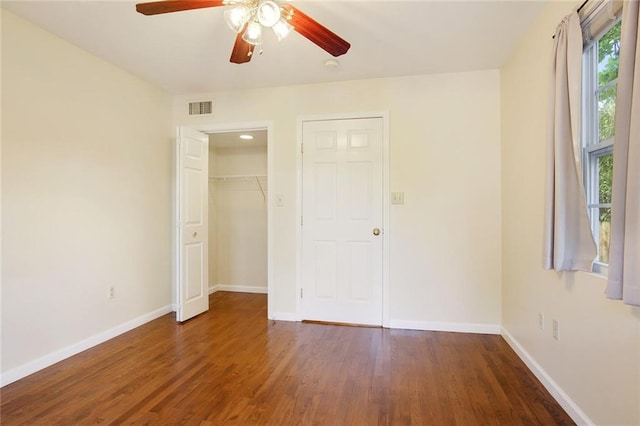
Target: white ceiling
[[188, 52]]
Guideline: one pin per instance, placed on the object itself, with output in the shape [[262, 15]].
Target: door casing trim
[[384, 115], [237, 127]]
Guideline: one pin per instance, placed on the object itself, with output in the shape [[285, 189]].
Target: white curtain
[[568, 241], [624, 252]]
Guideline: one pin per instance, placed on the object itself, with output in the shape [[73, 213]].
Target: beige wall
[[596, 362], [445, 157], [86, 197]]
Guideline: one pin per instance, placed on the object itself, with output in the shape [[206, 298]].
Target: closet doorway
[[238, 188], [240, 171]]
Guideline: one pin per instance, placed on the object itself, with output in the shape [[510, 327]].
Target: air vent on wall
[[201, 108]]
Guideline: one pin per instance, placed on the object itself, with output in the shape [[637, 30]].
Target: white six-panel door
[[342, 217], [192, 185]]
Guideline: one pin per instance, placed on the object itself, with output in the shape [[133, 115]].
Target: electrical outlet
[[112, 292], [556, 329], [540, 320]]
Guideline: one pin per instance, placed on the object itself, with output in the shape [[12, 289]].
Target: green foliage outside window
[[608, 59], [608, 55], [605, 172]]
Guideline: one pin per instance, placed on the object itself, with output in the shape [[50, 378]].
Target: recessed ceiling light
[[246, 137]]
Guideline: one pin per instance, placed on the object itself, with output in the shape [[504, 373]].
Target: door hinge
[[301, 293], [301, 148], [301, 220]]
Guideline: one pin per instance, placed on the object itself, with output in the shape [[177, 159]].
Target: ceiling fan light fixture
[[253, 33], [237, 17], [282, 29], [268, 13], [248, 17]]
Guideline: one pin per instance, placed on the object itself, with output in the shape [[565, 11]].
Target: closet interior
[[238, 211]]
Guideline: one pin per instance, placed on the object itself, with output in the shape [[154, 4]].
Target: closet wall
[[238, 213]]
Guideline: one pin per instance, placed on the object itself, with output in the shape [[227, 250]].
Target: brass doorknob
[[376, 231], [195, 234]]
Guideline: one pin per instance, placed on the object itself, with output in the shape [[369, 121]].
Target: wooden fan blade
[[167, 6], [242, 51], [314, 31]]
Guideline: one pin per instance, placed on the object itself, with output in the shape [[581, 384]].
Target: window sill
[[600, 270]]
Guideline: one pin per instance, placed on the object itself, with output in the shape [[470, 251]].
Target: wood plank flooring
[[233, 366]]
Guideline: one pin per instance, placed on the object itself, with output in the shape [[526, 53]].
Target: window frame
[[592, 148]]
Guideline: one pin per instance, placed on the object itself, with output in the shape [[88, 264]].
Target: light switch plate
[[397, 198]]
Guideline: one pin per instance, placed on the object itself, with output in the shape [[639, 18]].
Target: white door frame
[[239, 127], [384, 115]]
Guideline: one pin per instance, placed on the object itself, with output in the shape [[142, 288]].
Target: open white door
[[192, 216]]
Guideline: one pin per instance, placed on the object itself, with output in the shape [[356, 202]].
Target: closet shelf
[[231, 178], [237, 177]]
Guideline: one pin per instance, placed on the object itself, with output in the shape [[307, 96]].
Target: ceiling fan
[[248, 17]]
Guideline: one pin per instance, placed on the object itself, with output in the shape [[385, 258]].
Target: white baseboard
[[554, 389], [57, 356], [456, 327], [283, 316], [238, 289]]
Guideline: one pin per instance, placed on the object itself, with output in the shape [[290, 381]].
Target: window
[[600, 78]]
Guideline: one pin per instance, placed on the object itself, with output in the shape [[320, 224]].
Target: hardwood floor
[[233, 366]]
